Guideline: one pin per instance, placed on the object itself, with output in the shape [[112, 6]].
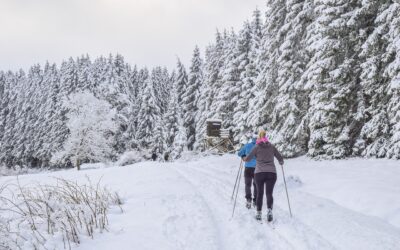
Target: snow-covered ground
[[348, 204]]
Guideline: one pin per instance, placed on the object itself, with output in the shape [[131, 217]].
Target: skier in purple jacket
[[265, 173]]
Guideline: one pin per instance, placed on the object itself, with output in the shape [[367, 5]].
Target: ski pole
[[237, 191], [237, 176], [287, 195]]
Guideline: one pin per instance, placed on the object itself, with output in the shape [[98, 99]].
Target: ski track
[[317, 224], [244, 219], [184, 206]]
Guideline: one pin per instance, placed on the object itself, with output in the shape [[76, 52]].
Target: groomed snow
[[348, 204]]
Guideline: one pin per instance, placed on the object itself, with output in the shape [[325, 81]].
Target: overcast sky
[[145, 32]]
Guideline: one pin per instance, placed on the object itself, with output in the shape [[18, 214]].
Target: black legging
[[268, 179], [248, 180]]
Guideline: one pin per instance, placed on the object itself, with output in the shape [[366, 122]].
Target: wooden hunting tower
[[217, 138]]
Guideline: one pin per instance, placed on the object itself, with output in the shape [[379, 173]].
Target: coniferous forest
[[321, 76]]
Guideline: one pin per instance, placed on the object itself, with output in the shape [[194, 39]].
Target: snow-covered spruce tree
[[5, 110], [134, 108], [148, 116], [265, 88], [288, 128], [3, 103], [374, 135], [54, 131], [115, 89], [227, 89], [25, 127], [91, 124], [249, 41], [171, 121], [332, 77], [211, 75], [40, 117], [68, 77], [142, 77], [9, 116], [190, 98], [16, 135], [393, 73], [181, 80], [180, 139], [83, 67], [161, 81]]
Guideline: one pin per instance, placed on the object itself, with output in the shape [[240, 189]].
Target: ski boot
[[258, 215], [269, 215], [248, 204]]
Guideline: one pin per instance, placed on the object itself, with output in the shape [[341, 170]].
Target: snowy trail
[[287, 234], [319, 224], [187, 205]]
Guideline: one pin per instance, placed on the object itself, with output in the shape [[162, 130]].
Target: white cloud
[[145, 32]]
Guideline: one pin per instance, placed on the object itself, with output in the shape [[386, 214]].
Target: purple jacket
[[265, 153]]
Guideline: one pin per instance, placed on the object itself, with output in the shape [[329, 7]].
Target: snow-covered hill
[[348, 204]]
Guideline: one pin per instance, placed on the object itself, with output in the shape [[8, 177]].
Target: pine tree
[[332, 78], [68, 77], [179, 141], [190, 98], [265, 88], [393, 73], [171, 118], [227, 89], [181, 80], [250, 48], [288, 124], [148, 116], [212, 67], [373, 138]]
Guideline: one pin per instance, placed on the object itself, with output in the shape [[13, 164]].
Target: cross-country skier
[[249, 168], [265, 173]]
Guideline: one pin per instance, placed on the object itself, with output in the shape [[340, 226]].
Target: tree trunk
[[78, 164]]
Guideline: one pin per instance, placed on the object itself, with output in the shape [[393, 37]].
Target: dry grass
[[43, 215]]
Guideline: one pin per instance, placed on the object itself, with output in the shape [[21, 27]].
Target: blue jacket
[[245, 150]]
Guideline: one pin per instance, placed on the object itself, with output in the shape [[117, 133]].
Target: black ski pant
[[248, 180], [267, 180]]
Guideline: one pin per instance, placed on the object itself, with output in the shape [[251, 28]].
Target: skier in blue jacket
[[249, 168]]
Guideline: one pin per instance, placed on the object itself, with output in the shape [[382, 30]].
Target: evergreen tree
[[148, 116], [393, 73], [190, 98], [332, 78], [211, 75], [373, 138], [288, 128], [181, 80], [171, 125], [227, 88], [250, 48], [265, 88]]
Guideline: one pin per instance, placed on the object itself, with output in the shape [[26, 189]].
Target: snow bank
[[368, 186], [130, 157]]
